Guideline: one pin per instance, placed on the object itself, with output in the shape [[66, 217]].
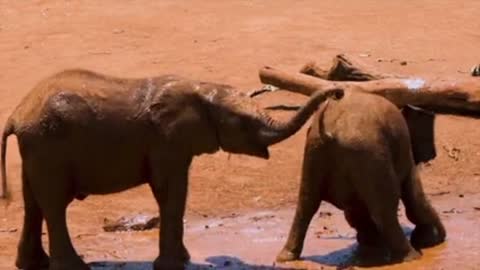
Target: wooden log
[[453, 96], [312, 69], [345, 68]]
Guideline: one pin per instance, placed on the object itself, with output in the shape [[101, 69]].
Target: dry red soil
[[227, 41]]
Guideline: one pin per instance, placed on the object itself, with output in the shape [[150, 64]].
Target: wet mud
[[250, 240]]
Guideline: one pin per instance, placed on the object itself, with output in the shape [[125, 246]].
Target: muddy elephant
[[81, 132], [360, 155]]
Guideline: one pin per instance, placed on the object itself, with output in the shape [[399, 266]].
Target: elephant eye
[[232, 120], [229, 121]]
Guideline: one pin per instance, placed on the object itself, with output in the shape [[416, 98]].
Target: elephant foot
[[286, 255], [424, 236], [39, 260], [411, 255], [185, 255], [368, 256], [167, 263], [68, 264]]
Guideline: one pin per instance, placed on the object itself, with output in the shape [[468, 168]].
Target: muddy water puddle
[[251, 241]]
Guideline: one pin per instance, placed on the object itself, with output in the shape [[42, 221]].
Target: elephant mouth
[[259, 152], [264, 153]]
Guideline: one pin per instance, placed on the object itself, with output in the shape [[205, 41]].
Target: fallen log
[[139, 222], [345, 68], [452, 96]]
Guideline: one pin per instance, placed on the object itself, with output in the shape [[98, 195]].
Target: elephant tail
[[8, 130], [325, 134]]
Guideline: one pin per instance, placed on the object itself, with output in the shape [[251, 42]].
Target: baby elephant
[[81, 133], [361, 156]]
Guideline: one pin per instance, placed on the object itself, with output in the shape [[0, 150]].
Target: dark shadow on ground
[[121, 265], [229, 262], [345, 258], [214, 262], [342, 258]]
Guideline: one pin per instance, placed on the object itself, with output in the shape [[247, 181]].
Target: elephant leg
[[371, 247], [382, 196], [62, 253], [53, 190], [309, 199], [388, 225], [367, 232], [429, 230], [31, 254], [170, 191]]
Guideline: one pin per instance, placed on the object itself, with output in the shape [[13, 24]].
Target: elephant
[[81, 132], [361, 155]]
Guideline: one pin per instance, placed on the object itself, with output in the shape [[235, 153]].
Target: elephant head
[[421, 127], [243, 128]]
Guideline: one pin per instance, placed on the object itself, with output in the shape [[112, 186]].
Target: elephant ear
[[422, 134], [183, 122]]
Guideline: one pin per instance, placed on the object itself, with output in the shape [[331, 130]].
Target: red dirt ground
[[227, 41]]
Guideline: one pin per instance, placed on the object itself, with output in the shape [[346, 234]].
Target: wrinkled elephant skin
[[358, 156], [82, 133]]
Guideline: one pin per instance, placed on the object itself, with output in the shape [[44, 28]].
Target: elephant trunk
[[273, 131]]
